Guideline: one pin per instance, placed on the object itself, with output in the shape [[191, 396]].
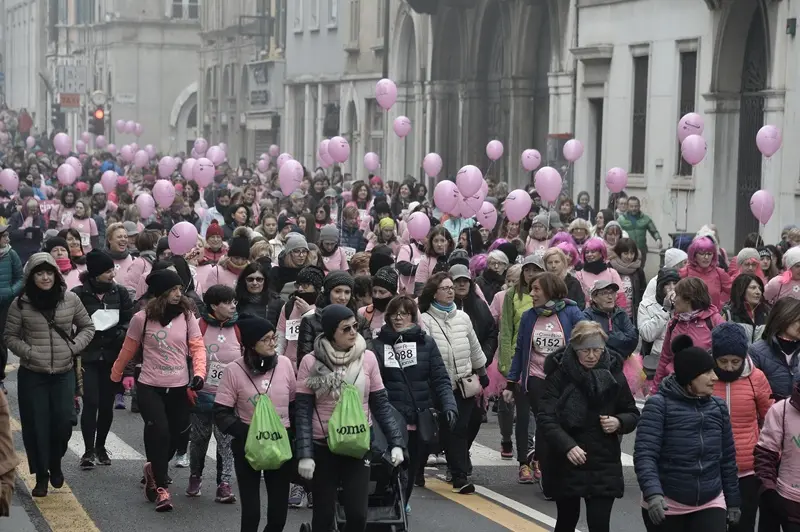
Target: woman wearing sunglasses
[[251, 292]]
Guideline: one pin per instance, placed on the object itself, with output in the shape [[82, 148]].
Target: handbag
[[427, 418], [468, 386]]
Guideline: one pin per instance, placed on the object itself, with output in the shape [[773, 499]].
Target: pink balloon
[[282, 158], [101, 142], [130, 126], [80, 146], [66, 174], [290, 176], [138, 129], [187, 168], [166, 166], [432, 164], [762, 205], [146, 204], [518, 204], [487, 215], [182, 238], [469, 180], [134, 147], [120, 126], [264, 156], [494, 150], [112, 149], [141, 159], [75, 164], [402, 126], [372, 162], [323, 155], [573, 150], [616, 179], [109, 180], [531, 159], [201, 146], [446, 196], [85, 137], [9, 180], [690, 124], [386, 93], [194, 154], [164, 193], [472, 204], [63, 144], [419, 225], [216, 155], [203, 172], [339, 149], [223, 147], [274, 150], [30, 142], [769, 140], [548, 183], [150, 151], [693, 149], [262, 165]]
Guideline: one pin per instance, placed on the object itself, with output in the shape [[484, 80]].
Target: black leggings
[[598, 514], [98, 404], [277, 484], [710, 520], [165, 412], [334, 471], [417, 457]]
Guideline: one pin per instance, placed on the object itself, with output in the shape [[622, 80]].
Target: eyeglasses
[[447, 288], [705, 253], [270, 339], [400, 316], [299, 251], [605, 293], [255, 280], [347, 329]]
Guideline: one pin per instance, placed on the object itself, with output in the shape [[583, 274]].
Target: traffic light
[[57, 117], [97, 121]]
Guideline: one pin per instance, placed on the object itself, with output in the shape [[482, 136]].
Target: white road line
[[117, 449], [483, 456]]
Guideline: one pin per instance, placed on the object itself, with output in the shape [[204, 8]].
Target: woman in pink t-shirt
[[340, 357], [260, 371], [167, 333]]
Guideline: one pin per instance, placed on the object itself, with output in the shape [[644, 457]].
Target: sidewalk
[[19, 521]]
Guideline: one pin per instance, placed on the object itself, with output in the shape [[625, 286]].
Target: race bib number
[[215, 372], [547, 342], [293, 330], [363, 214], [85, 239], [375, 332], [627, 287], [348, 253], [66, 220], [400, 355]]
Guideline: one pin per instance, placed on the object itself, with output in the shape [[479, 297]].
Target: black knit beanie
[[311, 275], [55, 242], [338, 278], [253, 329], [689, 362], [162, 281], [387, 278], [239, 247], [332, 316], [98, 262]]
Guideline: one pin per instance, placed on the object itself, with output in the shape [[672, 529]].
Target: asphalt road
[[110, 498]]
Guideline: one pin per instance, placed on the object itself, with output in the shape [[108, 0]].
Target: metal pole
[[386, 19]]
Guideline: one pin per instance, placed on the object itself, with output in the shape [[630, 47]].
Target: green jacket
[[513, 309], [637, 229]]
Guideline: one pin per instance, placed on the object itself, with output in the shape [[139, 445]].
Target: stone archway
[[407, 78]]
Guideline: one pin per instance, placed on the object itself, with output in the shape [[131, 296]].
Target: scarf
[[45, 301], [333, 369], [625, 268], [688, 316], [101, 287], [149, 256], [553, 307], [170, 313], [119, 255], [438, 306], [596, 387], [595, 268], [260, 364], [231, 268], [212, 257], [64, 265]]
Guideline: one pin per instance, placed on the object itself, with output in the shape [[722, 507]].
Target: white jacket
[[456, 340], [652, 324]]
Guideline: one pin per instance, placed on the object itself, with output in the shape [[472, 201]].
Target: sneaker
[[225, 494], [40, 490], [309, 500], [441, 459], [463, 486], [537, 471], [295, 496], [408, 509], [164, 501], [103, 457], [119, 402], [151, 492], [3, 387], [181, 461], [506, 450], [448, 476], [525, 474], [195, 483], [432, 460], [87, 460]]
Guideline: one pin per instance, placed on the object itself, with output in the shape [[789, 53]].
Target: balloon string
[[485, 174]]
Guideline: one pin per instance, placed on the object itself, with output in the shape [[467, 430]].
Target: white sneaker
[[181, 461], [432, 460], [441, 459]]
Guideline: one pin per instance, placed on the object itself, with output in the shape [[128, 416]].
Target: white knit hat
[[674, 256], [791, 257], [747, 254]]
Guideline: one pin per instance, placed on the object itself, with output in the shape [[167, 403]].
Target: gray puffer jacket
[[39, 346]]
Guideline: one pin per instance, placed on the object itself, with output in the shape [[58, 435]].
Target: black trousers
[[277, 484], [417, 458], [598, 514], [331, 472], [456, 442], [165, 412], [749, 487], [771, 519], [711, 520], [98, 404], [3, 346], [46, 409]]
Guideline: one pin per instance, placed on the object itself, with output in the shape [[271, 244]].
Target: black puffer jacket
[[482, 321], [490, 283], [575, 291], [106, 345], [601, 475], [311, 327], [428, 377]]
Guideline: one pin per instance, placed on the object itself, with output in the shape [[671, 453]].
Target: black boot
[[56, 477], [40, 490]]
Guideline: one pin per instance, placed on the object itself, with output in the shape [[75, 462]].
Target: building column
[[308, 128], [775, 175], [520, 105], [561, 96], [470, 114], [418, 149], [715, 179], [288, 123]]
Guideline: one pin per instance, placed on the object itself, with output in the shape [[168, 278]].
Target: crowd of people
[[297, 322]]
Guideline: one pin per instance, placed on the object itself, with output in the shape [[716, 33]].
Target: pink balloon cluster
[[450, 197], [690, 135]]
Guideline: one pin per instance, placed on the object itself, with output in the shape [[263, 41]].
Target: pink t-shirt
[[135, 277], [336, 261], [165, 349], [376, 320], [324, 405], [121, 268], [222, 348], [536, 247], [72, 278], [219, 275], [87, 228], [548, 337], [240, 389], [781, 434]]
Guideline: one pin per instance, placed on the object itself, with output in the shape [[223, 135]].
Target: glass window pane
[[639, 138]]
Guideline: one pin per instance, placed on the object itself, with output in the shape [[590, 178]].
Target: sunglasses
[[255, 280], [347, 329]]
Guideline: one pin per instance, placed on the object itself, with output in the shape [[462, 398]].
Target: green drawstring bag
[[267, 446], [348, 428]]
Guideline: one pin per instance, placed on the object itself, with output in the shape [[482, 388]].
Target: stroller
[[386, 510]]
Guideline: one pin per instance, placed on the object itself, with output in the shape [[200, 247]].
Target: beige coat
[[457, 342]]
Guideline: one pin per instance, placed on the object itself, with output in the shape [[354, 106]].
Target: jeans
[[249, 480], [598, 513], [165, 412], [98, 404], [3, 347], [526, 425], [710, 520], [456, 442], [334, 471], [202, 427]]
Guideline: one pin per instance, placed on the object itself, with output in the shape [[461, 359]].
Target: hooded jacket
[[457, 342], [782, 375], [717, 280], [623, 338], [10, 277]]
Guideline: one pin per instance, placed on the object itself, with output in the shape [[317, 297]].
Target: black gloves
[[452, 418], [484, 380], [197, 383]]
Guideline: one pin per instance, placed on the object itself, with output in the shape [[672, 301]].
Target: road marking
[[483, 456], [60, 508], [487, 508], [117, 449]]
